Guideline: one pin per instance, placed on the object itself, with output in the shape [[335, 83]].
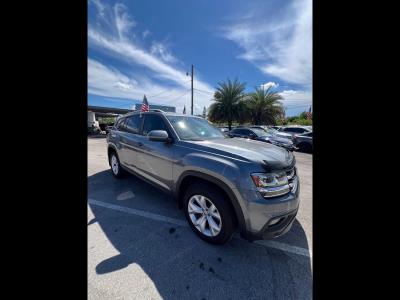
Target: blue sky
[[146, 47]]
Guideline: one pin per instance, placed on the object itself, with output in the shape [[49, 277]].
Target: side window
[[239, 131], [235, 131], [121, 124], [153, 122], [133, 124], [246, 132]]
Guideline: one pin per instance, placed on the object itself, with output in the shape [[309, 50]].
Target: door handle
[[140, 144]]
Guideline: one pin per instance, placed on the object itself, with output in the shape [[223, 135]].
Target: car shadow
[[181, 265]]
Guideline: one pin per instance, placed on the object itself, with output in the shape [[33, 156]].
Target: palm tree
[[228, 103], [264, 106]]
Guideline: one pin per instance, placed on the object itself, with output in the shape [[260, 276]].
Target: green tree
[[303, 115], [229, 104], [264, 106]]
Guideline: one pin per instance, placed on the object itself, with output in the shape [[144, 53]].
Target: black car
[[262, 135], [304, 141]]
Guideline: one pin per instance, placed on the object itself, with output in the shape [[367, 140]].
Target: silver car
[[221, 184], [293, 130]]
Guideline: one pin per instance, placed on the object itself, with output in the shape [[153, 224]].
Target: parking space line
[[156, 217], [285, 247], [137, 212]]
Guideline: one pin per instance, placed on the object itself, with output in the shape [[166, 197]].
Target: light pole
[[187, 74]]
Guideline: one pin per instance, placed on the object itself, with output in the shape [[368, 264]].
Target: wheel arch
[[189, 177]]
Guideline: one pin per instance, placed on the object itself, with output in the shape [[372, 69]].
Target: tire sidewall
[[120, 171], [219, 200]]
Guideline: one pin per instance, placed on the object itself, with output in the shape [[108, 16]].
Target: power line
[[203, 94], [204, 91], [168, 89], [176, 98]]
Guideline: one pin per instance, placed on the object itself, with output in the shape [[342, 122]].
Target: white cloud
[[123, 21], [99, 6], [108, 82], [279, 44], [296, 98], [115, 37], [161, 51], [145, 33], [269, 84]]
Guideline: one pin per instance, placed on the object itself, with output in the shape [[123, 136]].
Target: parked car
[[275, 127], [221, 183], [224, 129], [292, 130], [263, 136], [273, 131], [304, 141]]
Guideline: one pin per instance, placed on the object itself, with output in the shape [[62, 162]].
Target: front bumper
[[271, 229], [271, 217]]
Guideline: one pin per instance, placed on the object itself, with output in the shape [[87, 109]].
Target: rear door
[[154, 159], [130, 140]]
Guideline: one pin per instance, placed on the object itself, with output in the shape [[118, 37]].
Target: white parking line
[[137, 212], [156, 217]]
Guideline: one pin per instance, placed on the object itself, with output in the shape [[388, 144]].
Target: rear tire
[[116, 168], [204, 204]]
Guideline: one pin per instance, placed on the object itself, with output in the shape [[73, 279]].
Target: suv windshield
[[260, 132], [194, 129], [273, 130]]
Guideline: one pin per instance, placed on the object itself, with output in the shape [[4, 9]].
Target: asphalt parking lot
[[139, 246]]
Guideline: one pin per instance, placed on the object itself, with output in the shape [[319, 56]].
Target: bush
[[299, 121]]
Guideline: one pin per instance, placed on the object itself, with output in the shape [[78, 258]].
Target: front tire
[[208, 213], [116, 168], [305, 147]]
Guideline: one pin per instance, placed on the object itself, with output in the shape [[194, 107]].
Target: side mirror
[[158, 136]]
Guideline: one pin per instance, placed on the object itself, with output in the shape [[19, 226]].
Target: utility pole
[[192, 91]]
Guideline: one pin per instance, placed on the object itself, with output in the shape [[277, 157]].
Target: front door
[[154, 159]]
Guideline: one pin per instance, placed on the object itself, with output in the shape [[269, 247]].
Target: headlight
[[271, 184]]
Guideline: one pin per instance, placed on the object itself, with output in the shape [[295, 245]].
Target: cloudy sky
[[147, 47]]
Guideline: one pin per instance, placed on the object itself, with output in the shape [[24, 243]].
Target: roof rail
[[156, 110]]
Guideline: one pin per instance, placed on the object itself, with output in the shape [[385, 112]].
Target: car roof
[[157, 111]]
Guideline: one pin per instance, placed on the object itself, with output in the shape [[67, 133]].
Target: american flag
[[145, 105], [309, 114]]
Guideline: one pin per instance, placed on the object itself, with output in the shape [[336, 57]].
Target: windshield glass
[[260, 132], [272, 130], [194, 129]]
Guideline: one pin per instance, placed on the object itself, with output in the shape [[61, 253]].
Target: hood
[[283, 134], [277, 139], [270, 156]]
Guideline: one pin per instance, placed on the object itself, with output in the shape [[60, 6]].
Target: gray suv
[[222, 184]]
